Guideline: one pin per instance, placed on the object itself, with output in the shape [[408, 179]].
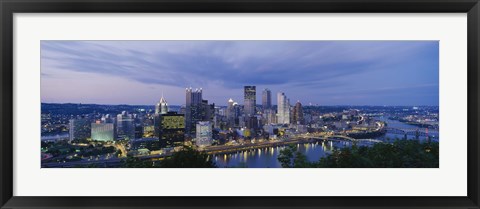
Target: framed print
[[261, 104]]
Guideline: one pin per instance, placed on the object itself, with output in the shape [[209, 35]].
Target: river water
[[267, 157]]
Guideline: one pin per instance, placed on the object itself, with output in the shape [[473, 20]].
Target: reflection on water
[[433, 133], [267, 157]]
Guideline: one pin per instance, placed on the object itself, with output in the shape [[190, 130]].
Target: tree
[[134, 162], [188, 158], [399, 154], [289, 157]]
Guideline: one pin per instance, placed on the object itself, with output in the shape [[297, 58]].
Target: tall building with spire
[[163, 106], [266, 99], [283, 109], [250, 100]]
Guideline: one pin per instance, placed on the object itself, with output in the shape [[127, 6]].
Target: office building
[[250, 100], [79, 128], [102, 131], [172, 129], [125, 126], [193, 110], [297, 114], [203, 134], [266, 99], [283, 109]]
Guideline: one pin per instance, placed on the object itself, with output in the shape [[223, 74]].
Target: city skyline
[[313, 72]]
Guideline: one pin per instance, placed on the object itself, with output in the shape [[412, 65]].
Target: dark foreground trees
[[399, 154], [186, 158]]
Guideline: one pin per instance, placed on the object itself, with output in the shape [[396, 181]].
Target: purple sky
[[317, 72]]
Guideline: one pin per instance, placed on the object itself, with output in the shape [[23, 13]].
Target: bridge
[[411, 131], [341, 137]]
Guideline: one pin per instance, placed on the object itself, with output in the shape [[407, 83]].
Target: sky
[[312, 72]]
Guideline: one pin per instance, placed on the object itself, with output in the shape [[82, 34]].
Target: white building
[[204, 134], [283, 109], [103, 131]]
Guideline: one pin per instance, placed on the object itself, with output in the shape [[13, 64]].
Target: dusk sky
[[317, 72]]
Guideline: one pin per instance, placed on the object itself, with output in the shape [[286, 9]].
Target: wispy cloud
[[232, 64]]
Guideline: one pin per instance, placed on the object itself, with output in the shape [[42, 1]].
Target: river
[[267, 157]]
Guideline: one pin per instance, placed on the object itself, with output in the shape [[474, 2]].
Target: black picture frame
[[9, 7]]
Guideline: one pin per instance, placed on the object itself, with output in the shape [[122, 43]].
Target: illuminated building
[[145, 143], [250, 100], [283, 109], [103, 131], [80, 128], [204, 134], [266, 99], [148, 131], [125, 126], [172, 129], [161, 107]]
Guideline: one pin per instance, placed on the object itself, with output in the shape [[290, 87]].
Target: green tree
[[188, 158], [289, 157], [399, 154]]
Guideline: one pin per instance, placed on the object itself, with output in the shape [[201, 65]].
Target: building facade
[[283, 109], [266, 99], [250, 100], [103, 131], [204, 134], [193, 109], [79, 128], [172, 129]]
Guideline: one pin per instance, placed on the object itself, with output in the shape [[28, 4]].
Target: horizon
[[303, 105], [327, 73]]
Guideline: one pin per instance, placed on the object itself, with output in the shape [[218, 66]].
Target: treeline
[[399, 154], [186, 158]]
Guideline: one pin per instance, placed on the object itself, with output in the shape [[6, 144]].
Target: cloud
[[232, 64]]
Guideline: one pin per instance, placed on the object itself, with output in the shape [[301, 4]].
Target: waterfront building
[[250, 100], [204, 134], [79, 128], [172, 129], [102, 131], [266, 99], [283, 109]]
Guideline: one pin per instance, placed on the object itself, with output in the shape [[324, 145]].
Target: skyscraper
[[230, 113], [298, 114], [283, 109], [163, 106], [266, 99], [250, 100], [125, 126], [193, 110], [80, 128], [172, 129]]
